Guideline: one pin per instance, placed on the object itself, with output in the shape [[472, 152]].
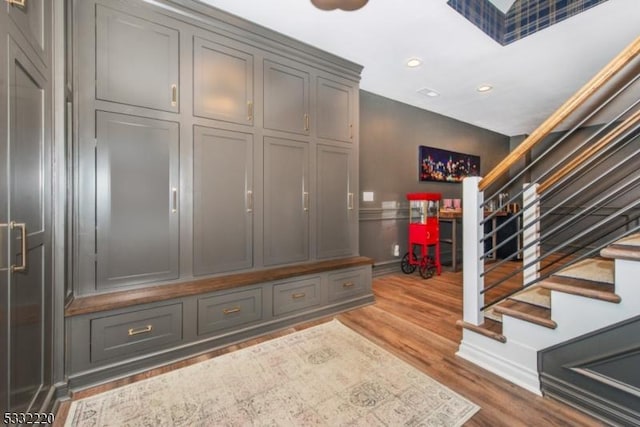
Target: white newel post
[[531, 234], [472, 249]]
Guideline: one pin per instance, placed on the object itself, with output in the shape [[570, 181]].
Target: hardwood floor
[[415, 319]]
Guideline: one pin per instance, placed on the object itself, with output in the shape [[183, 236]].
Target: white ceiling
[[531, 77]]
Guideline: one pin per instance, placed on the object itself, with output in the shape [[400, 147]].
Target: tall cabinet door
[[336, 210], [286, 98], [222, 81], [136, 61], [222, 201], [335, 110], [286, 201], [136, 199], [25, 209]]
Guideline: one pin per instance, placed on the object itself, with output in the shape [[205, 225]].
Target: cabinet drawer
[[219, 312], [346, 284], [294, 296], [130, 333]]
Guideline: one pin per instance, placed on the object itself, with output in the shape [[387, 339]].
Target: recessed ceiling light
[[414, 62], [428, 92], [484, 88]]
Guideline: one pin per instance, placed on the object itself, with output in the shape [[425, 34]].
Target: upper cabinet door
[[222, 82], [137, 200], [335, 110], [137, 61], [33, 20], [286, 98]]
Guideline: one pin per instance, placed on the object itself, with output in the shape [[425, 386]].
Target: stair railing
[[579, 193]]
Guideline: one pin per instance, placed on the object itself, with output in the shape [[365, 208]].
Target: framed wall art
[[436, 164]]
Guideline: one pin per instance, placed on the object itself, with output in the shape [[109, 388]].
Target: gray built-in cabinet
[[205, 148]]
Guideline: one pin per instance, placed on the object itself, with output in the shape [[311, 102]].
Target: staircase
[[577, 265], [586, 296]]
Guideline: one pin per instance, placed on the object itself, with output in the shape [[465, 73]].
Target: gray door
[[222, 201], [137, 199], [286, 201], [137, 61], [286, 98], [222, 81], [335, 110], [25, 210], [336, 205]]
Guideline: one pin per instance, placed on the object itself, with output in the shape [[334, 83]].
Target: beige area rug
[[327, 375], [595, 269]]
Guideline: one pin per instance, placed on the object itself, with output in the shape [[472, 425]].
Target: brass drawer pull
[[20, 3], [348, 285], [144, 330], [231, 310], [298, 296]]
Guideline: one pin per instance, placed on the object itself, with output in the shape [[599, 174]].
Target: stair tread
[[593, 269], [581, 287], [627, 248], [528, 312], [489, 328], [535, 295]]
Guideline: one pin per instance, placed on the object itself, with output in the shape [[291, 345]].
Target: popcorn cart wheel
[[424, 235]]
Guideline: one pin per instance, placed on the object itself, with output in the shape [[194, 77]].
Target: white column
[[531, 234], [472, 249]]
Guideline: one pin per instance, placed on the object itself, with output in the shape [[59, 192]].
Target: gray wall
[[390, 133]]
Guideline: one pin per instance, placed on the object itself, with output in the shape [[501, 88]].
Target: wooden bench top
[[127, 298]]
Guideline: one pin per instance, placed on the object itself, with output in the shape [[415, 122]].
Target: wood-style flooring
[[415, 319]]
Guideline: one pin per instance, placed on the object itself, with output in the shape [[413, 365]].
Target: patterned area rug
[[327, 375]]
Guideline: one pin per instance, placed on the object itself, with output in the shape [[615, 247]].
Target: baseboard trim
[[517, 374], [594, 405]]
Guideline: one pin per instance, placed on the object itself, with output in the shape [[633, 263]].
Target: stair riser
[[626, 276], [513, 361]]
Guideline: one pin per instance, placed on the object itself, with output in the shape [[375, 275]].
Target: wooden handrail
[[571, 105], [587, 153]]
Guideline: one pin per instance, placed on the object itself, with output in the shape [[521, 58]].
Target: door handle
[[305, 201], [250, 110], [174, 200], [306, 122], [2, 246], [23, 231], [350, 201], [249, 201], [174, 95], [20, 3]]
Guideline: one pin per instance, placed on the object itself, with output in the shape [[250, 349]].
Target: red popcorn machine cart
[[424, 233]]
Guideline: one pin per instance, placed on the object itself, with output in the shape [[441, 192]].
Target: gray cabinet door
[[136, 61], [336, 211], [222, 81], [136, 199], [286, 98], [222, 200], [286, 201], [334, 110], [32, 21], [25, 217]]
